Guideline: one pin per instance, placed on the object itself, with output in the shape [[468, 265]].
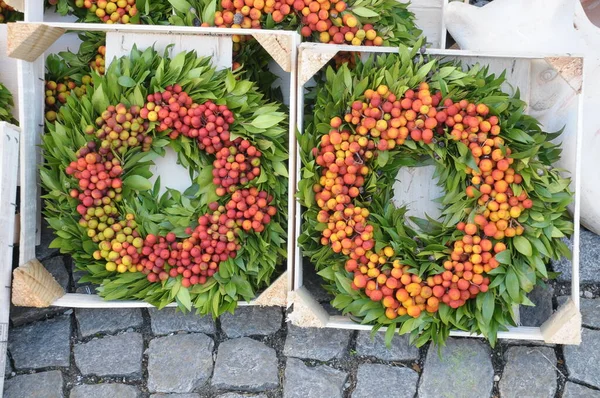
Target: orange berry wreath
[[208, 247], [504, 207]]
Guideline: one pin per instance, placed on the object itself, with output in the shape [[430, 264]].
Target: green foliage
[[128, 80], [6, 104], [523, 265]]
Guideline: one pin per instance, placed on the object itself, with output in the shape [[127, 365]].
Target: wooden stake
[[564, 326], [34, 286], [28, 41], [279, 47], [310, 61], [18, 5], [307, 311], [570, 69], [275, 294]]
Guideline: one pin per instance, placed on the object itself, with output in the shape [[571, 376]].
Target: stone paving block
[[529, 371], [400, 350], [589, 266], [168, 320], [370, 377], [315, 343], [238, 395], [465, 366], [573, 390], [179, 363], [590, 311], [37, 385], [322, 381], [107, 320], [41, 344], [175, 395], [23, 315], [245, 364], [7, 367], [108, 390], [119, 355], [251, 320], [583, 361], [542, 298]]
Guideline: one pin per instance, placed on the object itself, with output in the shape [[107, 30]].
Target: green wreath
[[138, 244], [504, 206]]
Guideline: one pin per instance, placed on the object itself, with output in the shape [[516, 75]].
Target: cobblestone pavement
[[254, 353]]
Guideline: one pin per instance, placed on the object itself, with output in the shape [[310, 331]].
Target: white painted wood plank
[[517, 333], [8, 70], [219, 48], [430, 21], [31, 116], [9, 159], [158, 29], [416, 188]]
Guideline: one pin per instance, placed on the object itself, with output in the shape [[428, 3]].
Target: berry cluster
[[215, 239], [110, 11], [382, 122], [99, 61], [57, 93], [120, 128], [328, 21], [237, 162]]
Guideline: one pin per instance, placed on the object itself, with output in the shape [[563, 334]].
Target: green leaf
[[364, 12], [512, 285], [488, 307], [181, 5], [280, 169], [126, 81], [522, 245], [183, 297], [382, 158], [99, 100], [137, 183], [266, 121]]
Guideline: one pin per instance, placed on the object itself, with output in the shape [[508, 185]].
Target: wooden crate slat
[[9, 159]]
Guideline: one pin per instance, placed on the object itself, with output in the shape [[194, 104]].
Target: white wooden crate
[[9, 159], [562, 106], [429, 15], [28, 42]]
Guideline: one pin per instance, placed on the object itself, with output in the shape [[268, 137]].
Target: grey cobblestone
[[573, 390], [252, 320], [246, 365], [583, 361], [400, 350], [529, 371], [322, 381], [119, 355], [315, 343], [168, 320], [37, 385], [108, 390], [179, 363], [464, 366], [41, 344], [107, 320], [371, 376]]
